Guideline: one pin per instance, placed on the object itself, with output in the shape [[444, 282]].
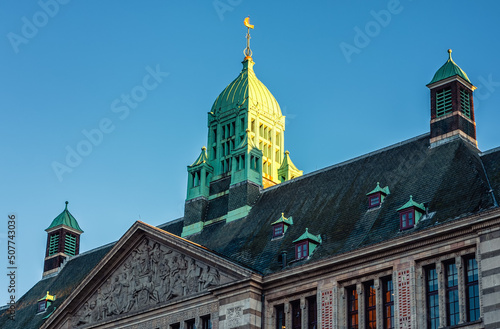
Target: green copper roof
[[247, 143], [202, 158], [449, 69], [246, 91], [412, 203], [309, 236], [384, 190], [65, 218], [283, 219]]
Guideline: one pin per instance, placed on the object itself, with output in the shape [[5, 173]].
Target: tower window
[[443, 102], [465, 102], [70, 245], [53, 244], [296, 315]]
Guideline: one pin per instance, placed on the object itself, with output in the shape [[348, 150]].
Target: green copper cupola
[[452, 106], [63, 240]]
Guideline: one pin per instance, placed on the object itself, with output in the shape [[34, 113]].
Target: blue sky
[[350, 77]]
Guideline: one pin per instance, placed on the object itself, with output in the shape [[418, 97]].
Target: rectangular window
[[190, 324], [175, 325], [388, 301], [443, 102], [407, 219], [301, 250], [280, 317], [465, 102], [312, 313], [352, 308], [206, 323], [53, 244], [472, 289], [452, 310], [70, 245], [296, 315], [432, 298], [278, 230], [42, 306], [374, 200], [370, 306]]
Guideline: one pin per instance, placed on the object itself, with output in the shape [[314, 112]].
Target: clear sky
[[350, 77]]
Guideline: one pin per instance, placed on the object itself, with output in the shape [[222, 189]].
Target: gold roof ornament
[[248, 52]]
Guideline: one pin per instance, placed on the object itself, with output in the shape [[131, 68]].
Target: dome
[[449, 69], [246, 91]]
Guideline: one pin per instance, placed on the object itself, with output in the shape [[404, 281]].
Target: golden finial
[[248, 52], [449, 54]]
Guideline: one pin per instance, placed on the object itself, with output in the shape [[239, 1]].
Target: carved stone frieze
[[152, 274]]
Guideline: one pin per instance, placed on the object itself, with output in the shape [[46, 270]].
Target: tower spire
[[248, 52]]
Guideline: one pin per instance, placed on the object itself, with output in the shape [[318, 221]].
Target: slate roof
[[450, 178], [332, 202]]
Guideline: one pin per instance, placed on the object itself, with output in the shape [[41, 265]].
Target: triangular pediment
[[147, 269]]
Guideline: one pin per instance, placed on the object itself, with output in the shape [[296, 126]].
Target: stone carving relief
[[152, 274], [234, 317]]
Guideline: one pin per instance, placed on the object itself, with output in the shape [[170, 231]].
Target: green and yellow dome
[[246, 91]]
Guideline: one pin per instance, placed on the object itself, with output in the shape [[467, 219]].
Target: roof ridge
[[493, 150], [346, 162]]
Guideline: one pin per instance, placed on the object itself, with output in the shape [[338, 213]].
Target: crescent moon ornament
[[247, 23]]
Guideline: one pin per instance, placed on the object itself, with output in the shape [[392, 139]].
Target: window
[[452, 310], [432, 298], [407, 219], [352, 308], [388, 302], [190, 324], [278, 230], [296, 315], [70, 245], [443, 102], [42, 306], [206, 323], [175, 325], [280, 317], [54, 244], [374, 201], [301, 250], [465, 102], [312, 313], [472, 289], [370, 306]]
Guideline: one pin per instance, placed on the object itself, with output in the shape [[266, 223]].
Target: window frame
[[312, 313], [280, 310], [296, 322], [206, 322], [371, 198], [276, 227], [352, 308], [407, 225], [432, 294], [304, 249], [370, 305], [190, 324], [452, 298], [388, 303], [468, 284]]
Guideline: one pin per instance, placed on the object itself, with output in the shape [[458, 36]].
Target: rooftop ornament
[[248, 52]]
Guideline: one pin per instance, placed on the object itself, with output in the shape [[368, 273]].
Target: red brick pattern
[[327, 309], [404, 299]]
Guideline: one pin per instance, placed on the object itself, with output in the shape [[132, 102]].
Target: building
[[404, 237]]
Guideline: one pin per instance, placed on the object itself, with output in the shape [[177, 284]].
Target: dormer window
[[301, 250], [278, 230], [44, 303], [281, 225], [377, 196], [410, 213], [306, 244]]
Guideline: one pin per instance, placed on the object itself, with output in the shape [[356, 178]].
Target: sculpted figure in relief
[[151, 274]]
